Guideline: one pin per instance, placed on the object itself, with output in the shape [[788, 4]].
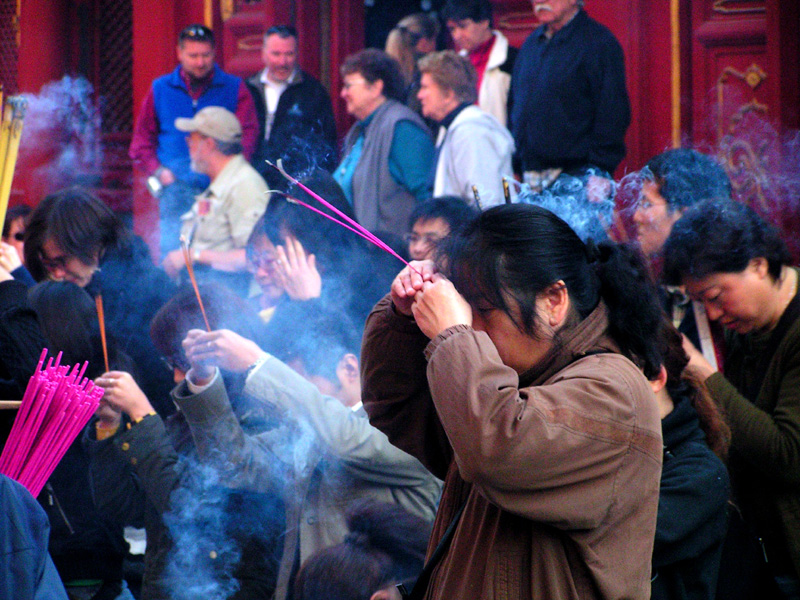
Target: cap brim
[[184, 124]]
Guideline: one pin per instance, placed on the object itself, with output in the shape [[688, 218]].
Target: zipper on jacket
[[53, 499]]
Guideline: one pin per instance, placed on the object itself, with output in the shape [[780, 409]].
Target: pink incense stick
[[56, 406], [360, 229]]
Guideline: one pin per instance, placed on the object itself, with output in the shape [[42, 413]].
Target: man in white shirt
[[223, 216]]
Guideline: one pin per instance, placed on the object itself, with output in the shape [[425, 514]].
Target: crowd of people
[[529, 408]]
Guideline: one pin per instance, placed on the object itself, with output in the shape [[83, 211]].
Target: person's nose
[[713, 312]]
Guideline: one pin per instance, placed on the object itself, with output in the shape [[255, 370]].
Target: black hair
[[515, 252], [683, 383], [721, 237], [386, 546], [476, 10], [373, 65], [224, 309], [81, 224], [685, 177], [330, 242], [282, 31], [196, 33], [14, 213], [68, 320], [317, 337], [452, 209]]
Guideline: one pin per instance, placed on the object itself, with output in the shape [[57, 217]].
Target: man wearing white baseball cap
[[223, 216]]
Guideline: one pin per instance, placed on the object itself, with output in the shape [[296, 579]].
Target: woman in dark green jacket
[[733, 262]]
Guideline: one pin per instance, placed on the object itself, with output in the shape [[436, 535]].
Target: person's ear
[[556, 303], [660, 381], [347, 370], [378, 85], [760, 266]]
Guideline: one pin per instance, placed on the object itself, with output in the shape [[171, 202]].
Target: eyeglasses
[[429, 239], [197, 33], [51, 264], [176, 361], [262, 260]]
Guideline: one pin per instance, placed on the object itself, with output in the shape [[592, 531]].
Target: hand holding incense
[[190, 269]]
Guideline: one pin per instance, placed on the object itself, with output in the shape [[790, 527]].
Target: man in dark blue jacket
[[568, 105]]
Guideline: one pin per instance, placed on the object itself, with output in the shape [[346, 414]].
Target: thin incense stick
[[477, 197], [98, 301], [506, 191], [360, 229], [190, 269], [56, 406]]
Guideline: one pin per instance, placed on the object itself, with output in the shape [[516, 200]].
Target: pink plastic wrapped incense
[[55, 408]]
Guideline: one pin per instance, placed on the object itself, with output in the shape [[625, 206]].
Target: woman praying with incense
[[518, 378]]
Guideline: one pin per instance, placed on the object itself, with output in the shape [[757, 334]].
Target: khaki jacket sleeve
[[243, 461], [554, 453], [338, 431]]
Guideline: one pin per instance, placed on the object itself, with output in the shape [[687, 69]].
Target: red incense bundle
[[190, 269], [98, 301], [55, 408]]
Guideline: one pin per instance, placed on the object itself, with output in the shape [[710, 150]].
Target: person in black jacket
[[73, 236], [294, 110], [695, 487], [568, 104], [87, 549]]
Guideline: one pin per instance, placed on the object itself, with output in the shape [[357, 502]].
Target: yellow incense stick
[[10, 135]]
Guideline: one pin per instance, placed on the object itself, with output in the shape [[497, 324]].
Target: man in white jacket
[[472, 148], [470, 25]]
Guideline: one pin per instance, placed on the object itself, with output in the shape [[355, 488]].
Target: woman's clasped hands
[[420, 291]]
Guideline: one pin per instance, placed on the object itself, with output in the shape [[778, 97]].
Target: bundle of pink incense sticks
[[57, 404]]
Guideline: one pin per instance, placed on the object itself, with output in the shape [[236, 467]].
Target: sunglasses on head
[[197, 33]]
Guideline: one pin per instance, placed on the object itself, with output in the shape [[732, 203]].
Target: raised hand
[[410, 281], [439, 306], [298, 271]]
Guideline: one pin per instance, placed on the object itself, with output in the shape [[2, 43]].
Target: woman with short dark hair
[[736, 264], [389, 151], [518, 379]]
